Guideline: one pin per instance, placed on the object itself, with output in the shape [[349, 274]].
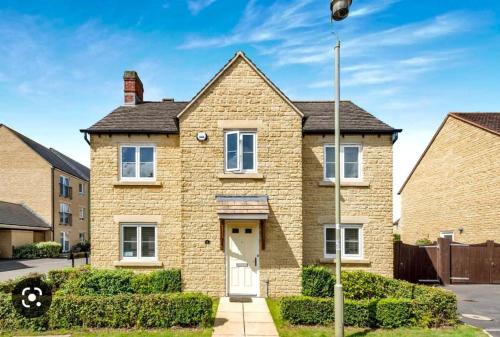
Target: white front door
[[243, 259]]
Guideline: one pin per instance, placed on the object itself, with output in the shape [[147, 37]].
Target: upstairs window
[[65, 190], [82, 213], [137, 162], [240, 151], [65, 217], [350, 162], [81, 189]]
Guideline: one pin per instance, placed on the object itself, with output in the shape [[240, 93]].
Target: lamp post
[[340, 11]]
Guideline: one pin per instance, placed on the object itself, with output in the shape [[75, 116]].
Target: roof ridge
[[69, 161]]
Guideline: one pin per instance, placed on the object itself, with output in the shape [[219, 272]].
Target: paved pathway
[[10, 269], [244, 319], [479, 299]]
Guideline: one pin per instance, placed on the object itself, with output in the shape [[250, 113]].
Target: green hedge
[[431, 306], [119, 311], [386, 313], [119, 281], [38, 250]]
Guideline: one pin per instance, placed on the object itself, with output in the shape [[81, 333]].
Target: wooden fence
[[448, 262]]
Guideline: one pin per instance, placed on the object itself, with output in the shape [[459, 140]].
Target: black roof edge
[[124, 131]]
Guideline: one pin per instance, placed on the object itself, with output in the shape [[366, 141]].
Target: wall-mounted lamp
[[202, 136], [461, 230]]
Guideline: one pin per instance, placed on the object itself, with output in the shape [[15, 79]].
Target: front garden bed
[[371, 301], [91, 298]]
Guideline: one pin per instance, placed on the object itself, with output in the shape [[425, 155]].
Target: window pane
[[330, 241], [147, 170], [128, 154], [146, 154], [351, 241], [232, 151], [350, 170], [248, 143], [148, 241], [330, 154], [130, 249], [330, 171], [128, 170], [129, 234], [351, 154], [248, 161]]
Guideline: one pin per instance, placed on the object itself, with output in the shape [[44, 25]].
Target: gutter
[[85, 136]]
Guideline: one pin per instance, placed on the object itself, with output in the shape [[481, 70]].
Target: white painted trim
[[442, 234], [239, 152], [138, 227], [137, 177]]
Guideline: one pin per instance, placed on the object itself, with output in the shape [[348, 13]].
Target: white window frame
[[442, 234], [138, 227], [80, 235], [342, 245], [342, 147], [82, 213], [65, 238], [138, 177], [82, 190], [239, 151]]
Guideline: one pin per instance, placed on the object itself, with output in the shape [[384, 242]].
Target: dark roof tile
[[485, 120], [19, 215]]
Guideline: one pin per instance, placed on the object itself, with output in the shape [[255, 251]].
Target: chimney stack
[[133, 88]]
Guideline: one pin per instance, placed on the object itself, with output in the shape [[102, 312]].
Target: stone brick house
[[453, 190], [50, 185], [235, 186]]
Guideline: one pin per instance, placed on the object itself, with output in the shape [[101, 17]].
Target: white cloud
[[196, 6], [372, 8]]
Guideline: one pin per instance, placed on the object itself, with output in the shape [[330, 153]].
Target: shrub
[[81, 247], [120, 311], [317, 282], [162, 281], [432, 307], [119, 281], [435, 307], [57, 277], [394, 313], [99, 282], [11, 320], [308, 310], [387, 313], [38, 250], [127, 311], [423, 242], [396, 237]]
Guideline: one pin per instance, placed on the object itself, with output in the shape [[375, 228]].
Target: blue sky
[[408, 62]]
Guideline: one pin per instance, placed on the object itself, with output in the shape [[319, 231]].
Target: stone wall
[[455, 186], [367, 203], [112, 200], [241, 94]]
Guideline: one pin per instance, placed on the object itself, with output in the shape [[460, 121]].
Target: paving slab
[[246, 319]]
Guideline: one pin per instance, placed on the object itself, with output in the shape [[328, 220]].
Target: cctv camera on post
[[340, 9]]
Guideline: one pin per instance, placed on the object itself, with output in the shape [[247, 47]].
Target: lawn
[[286, 330]]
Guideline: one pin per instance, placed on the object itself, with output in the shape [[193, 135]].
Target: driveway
[[482, 300], [10, 269]]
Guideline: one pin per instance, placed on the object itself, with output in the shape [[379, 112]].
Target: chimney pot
[[132, 87]]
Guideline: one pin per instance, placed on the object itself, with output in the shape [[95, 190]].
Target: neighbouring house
[[454, 189], [235, 187], [51, 186]]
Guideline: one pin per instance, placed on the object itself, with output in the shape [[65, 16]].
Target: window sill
[[326, 183], [345, 262], [138, 263], [240, 176], [138, 183]]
